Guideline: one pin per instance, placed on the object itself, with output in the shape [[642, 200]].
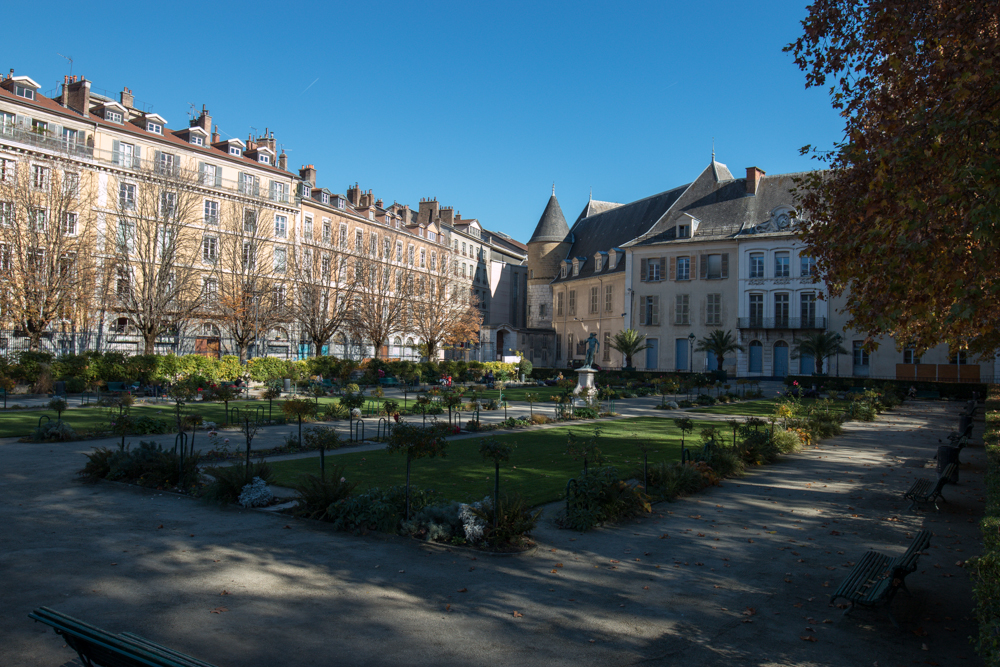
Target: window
[[69, 224], [279, 191], [399, 251], [155, 128], [6, 213], [757, 265], [307, 228], [236, 150], [280, 260], [781, 310], [249, 184], [39, 177], [715, 267], [211, 175], [5, 260], [359, 240], [249, 221], [713, 310], [409, 257], [542, 311], [434, 256], [559, 304], [463, 269], [372, 244], [558, 348], [423, 258], [606, 346], [683, 268], [168, 204], [327, 230], [563, 270], [682, 309], [7, 119], [197, 140], [463, 250], [263, 158], [807, 310], [757, 310], [860, 355], [126, 236], [71, 137], [341, 203], [7, 170], [24, 91], [249, 255], [807, 266], [211, 212], [958, 357], [594, 296], [167, 164], [126, 155], [71, 184], [209, 249], [572, 302], [910, 356], [324, 264], [126, 196], [211, 290], [112, 116], [683, 231], [781, 265], [609, 295], [343, 236], [325, 198], [280, 226], [570, 352], [653, 268]]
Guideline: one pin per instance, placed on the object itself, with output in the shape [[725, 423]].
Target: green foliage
[[600, 496], [986, 568], [377, 509], [267, 369], [352, 399], [30, 365], [228, 481], [525, 367], [298, 408], [495, 450], [322, 438], [316, 493], [54, 431], [416, 442], [819, 345], [672, 479], [507, 521], [630, 343], [98, 464], [439, 522], [719, 343], [151, 465], [585, 413]]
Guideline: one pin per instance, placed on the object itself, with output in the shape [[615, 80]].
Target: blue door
[[756, 357], [711, 361], [652, 353], [807, 364], [780, 359], [681, 354], [303, 351], [326, 351]]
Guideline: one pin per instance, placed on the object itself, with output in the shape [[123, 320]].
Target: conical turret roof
[[552, 225]]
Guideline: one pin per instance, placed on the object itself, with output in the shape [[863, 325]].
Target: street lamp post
[[691, 352]]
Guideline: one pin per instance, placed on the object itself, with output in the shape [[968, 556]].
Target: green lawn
[[539, 468], [759, 408]]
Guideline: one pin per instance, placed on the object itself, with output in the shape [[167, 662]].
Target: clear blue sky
[[480, 105]]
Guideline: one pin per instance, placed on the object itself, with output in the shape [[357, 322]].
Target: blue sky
[[481, 105]]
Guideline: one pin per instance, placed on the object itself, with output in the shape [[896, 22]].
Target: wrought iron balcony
[[782, 323], [45, 139]]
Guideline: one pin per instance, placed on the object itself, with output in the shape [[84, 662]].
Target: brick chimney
[[378, 203], [308, 174], [127, 99], [204, 121], [283, 161], [77, 96], [215, 135], [354, 195], [754, 176], [447, 215]]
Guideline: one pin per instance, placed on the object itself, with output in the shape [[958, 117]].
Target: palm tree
[[630, 343], [819, 346], [720, 343]]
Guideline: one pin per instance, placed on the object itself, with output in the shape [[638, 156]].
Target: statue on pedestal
[[593, 345]]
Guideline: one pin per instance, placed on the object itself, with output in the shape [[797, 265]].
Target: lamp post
[[691, 352]]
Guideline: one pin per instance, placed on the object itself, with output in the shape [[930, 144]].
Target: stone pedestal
[[585, 387]]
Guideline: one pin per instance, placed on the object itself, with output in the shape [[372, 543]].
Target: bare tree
[[385, 279], [445, 312], [47, 221], [323, 291], [152, 252], [249, 295]]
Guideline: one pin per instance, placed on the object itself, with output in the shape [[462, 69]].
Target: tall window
[[652, 269], [559, 304], [713, 310], [327, 231], [781, 265], [609, 295], [249, 256], [423, 258], [307, 228], [211, 212], [606, 346], [572, 302], [682, 310], [910, 356], [399, 251], [71, 184], [781, 310], [39, 177], [126, 196], [249, 221], [359, 240], [69, 224], [807, 265], [807, 310], [6, 213], [757, 310], [280, 260], [594, 295], [409, 255], [757, 265], [860, 354], [716, 266], [343, 236], [168, 204], [433, 261], [683, 268], [373, 244], [959, 357], [210, 249]]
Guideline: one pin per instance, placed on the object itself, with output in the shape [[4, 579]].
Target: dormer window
[[264, 158], [683, 231], [155, 128], [236, 150], [576, 266], [306, 190], [564, 269], [371, 215], [197, 140], [24, 91], [598, 262], [112, 116], [326, 198], [340, 203]]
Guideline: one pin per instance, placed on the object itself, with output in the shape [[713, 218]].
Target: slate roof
[[594, 207], [552, 225], [613, 228], [723, 208]]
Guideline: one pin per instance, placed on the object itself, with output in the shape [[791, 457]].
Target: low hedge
[[959, 390], [986, 568]]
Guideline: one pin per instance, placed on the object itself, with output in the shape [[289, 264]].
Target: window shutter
[[703, 266], [673, 268], [256, 187], [725, 265], [273, 190], [703, 307], [663, 268], [655, 314], [116, 152], [56, 131], [22, 121], [156, 161], [643, 271], [138, 157], [218, 177], [202, 172]]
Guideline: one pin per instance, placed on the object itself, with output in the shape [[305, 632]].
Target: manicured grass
[[538, 470], [763, 407]]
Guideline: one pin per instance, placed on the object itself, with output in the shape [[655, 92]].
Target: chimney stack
[[215, 135], [127, 98], [283, 161], [77, 96], [204, 121], [754, 176], [354, 195], [308, 174]]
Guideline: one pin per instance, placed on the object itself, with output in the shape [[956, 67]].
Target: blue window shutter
[[116, 152], [218, 177]]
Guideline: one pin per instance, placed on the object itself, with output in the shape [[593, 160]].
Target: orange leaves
[[218, 610], [517, 614]]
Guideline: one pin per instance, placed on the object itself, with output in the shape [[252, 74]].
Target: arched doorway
[[756, 357], [780, 359], [501, 344]]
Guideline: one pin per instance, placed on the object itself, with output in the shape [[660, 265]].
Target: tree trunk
[[149, 342]]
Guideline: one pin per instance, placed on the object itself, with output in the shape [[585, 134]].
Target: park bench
[[928, 394], [876, 578], [120, 387], [923, 492], [98, 647], [388, 382]]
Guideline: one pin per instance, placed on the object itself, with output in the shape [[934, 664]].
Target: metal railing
[[46, 139], [781, 323]]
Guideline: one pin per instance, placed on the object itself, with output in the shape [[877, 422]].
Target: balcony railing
[[45, 139], [782, 323]]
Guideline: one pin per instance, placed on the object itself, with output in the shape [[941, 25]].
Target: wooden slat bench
[[876, 578], [97, 647], [923, 492]]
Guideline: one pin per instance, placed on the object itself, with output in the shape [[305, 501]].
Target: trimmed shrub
[[228, 481], [151, 465], [316, 494], [267, 369], [377, 509], [600, 496], [507, 524]]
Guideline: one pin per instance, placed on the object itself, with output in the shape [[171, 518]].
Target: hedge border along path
[[986, 571]]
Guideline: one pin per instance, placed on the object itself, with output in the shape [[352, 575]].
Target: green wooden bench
[[119, 387], [98, 647], [923, 492], [875, 579], [388, 382], [928, 394]]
